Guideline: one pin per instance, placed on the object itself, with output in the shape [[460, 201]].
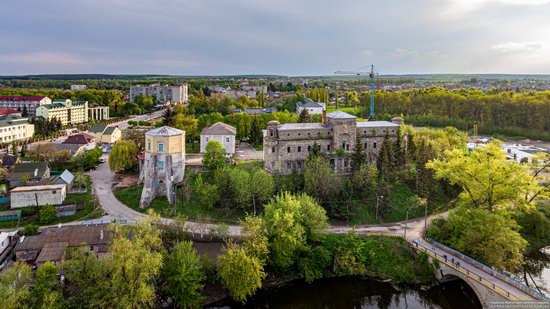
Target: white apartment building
[[67, 111], [97, 112], [79, 87], [172, 94], [20, 102], [14, 128]]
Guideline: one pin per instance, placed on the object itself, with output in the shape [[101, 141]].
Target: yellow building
[[67, 111], [105, 134], [163, 164]]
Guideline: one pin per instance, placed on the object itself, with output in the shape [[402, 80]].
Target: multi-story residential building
[[172, 94], [14, 128], [287, 146], [20, 102], [67, 111], [98, 112]]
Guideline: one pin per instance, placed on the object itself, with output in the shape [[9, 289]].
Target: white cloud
[[367, 53], [457, 8], [413, 55], [517, 47]]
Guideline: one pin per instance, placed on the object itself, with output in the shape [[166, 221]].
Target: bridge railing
[[468, 273], [491, 271]]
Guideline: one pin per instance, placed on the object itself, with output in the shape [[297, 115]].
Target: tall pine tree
[[359, 156], [424, 176], [385, 159]]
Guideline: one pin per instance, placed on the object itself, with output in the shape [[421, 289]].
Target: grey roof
[[67, 176], [11, 120], [340, 115], [307, 102], [28, 169], [303, 126], [376, 124], [72, 148], [110, 130], [219, 128], [164, 131], [98, 128]]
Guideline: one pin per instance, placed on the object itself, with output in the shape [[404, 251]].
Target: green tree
[[214, 157], [88, 279], [364, 181], [304, 116], [206, 194], [240, 272], [135, 264], [168, 117], [14, 286], [312, 217], [183, 275], [424, 176], [489, 237], [261, 187], [359, 156], [47, 214], [385, 159], [488, 180], [123, 156], [256, 134], [234, 187], [188, 123], [46, 292], [255, 241], [286, 234], [30, 229], [320, 180]]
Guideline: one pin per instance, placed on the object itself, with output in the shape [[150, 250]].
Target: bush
[[29, 211], [30, 229], [315, 264], [47, 214]]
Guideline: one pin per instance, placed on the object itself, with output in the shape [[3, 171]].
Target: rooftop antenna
[[372, 73]]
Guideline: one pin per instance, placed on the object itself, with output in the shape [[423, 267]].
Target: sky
[[287, 37]]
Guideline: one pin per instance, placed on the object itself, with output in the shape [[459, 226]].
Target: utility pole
[[377, 202]]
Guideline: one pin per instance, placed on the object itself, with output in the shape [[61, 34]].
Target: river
[[348, 292], [538, 269]]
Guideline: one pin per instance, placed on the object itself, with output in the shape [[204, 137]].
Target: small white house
[[221, 132], [311, 106], [26, 196]]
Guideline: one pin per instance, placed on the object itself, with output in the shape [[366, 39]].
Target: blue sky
[[290, 37]]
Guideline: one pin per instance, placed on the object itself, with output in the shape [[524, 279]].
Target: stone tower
[[163, 164]]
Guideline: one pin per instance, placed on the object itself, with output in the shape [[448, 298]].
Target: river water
[[342, 293], [538, 269]]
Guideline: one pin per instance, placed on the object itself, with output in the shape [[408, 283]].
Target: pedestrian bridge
[[492, 287]]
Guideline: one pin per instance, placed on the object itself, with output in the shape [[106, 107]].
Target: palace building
[[287, 146]]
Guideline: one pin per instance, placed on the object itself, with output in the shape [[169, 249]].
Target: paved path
[[246, 152]]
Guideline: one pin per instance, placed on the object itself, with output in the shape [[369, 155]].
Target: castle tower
[[163, 164], [271, 139]]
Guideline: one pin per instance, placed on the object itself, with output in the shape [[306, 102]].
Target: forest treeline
[[524, 114]]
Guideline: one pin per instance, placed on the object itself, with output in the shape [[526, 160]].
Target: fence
[[488, 269]]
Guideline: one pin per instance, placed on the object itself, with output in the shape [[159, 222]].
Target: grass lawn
[[130, 197], [189, 147], [90, 211], [259, 147]]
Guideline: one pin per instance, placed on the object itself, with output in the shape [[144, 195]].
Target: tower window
[[288, 149], [299, 148]]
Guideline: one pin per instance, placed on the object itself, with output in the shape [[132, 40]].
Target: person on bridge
[[452, 260]]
